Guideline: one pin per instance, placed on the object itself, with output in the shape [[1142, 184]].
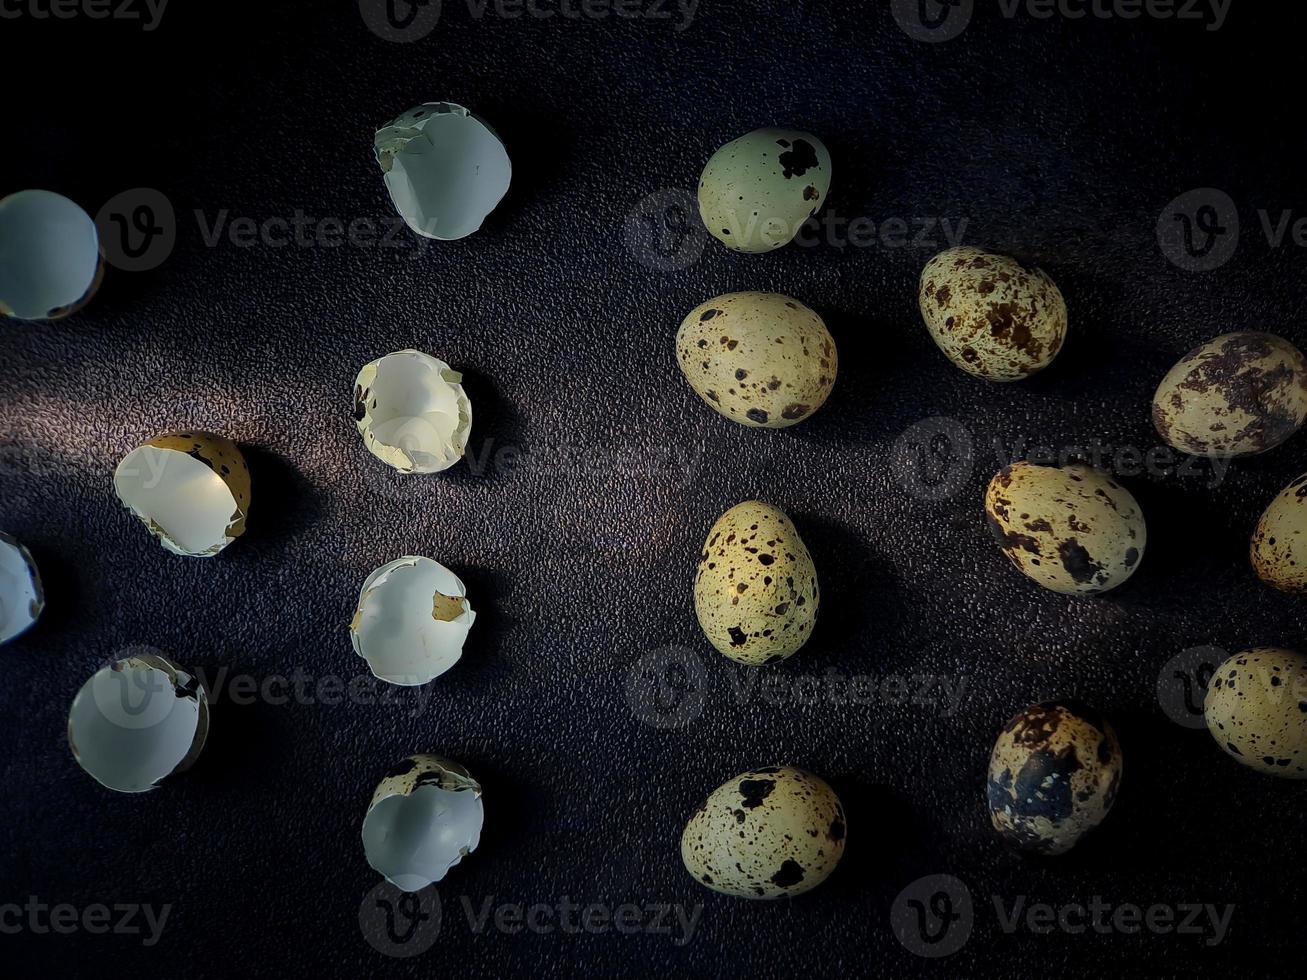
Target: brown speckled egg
[[1256, 709], [1279, 546], [766, 833], [760, 359], [1239, 395], [755, 592], [1074, 529], [1053, 776], [992, 316]]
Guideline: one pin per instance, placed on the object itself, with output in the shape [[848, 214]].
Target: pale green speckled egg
[[1256, 709]]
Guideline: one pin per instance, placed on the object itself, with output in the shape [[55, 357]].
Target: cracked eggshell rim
[[424, 636], [108, 721], [51, 263], [192, 480], [412, 411], [22, 597], [395, 813]]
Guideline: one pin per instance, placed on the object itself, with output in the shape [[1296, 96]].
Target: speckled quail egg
[[1238, 395], [21, 596], [191, 489], [425, 817], [992, 316], [755, 592], [1256, 709], [760, 359], [757, 191], [1053, 776], [1073, 529], [1279, 545], [766, 833]]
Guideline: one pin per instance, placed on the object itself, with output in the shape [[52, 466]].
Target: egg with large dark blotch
[[1053, 776]]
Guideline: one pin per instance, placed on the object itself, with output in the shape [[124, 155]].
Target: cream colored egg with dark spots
[[1053, 776], [990, 315], [1074, 529], [1279, 545], [757, 191], [1256, 709], [755, 592], [1238, 395], [768, 833], [760, 359]]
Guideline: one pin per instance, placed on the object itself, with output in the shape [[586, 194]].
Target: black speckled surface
[[1059, 140]]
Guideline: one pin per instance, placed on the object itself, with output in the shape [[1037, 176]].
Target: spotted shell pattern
[[1053, 776], [757, 191], [766, 834], [1256, 709], [1238, 395], [1279, 545], [1074, 530], [990, 315], [755, 592], [423, 770], [760, 359], [223, 457]]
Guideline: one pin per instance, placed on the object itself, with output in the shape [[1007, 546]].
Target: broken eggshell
[[444, 167], [412, 412], [412, 620], [425, 815], [191, 489], [50, 260], [21, 595], [138, 721]]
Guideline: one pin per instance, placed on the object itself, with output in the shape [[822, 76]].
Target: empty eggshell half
[[412, 412], [412, 620], [21, 595], [424, 817], [138, 721], [444, 167], [50, 261], [191, 489]]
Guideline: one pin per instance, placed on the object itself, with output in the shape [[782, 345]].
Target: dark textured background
[[1061, 141]]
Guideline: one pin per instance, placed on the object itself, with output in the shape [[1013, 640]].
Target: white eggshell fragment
[[992, 316], [444, 167], [191, 489], [50, 261], [767, 833], [1279, 545], [757, 191], [1072, 529], [137, 722], [1241, 394], [21, 595], [412, 412], [760, 359], [425, 816], [412, 619]]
